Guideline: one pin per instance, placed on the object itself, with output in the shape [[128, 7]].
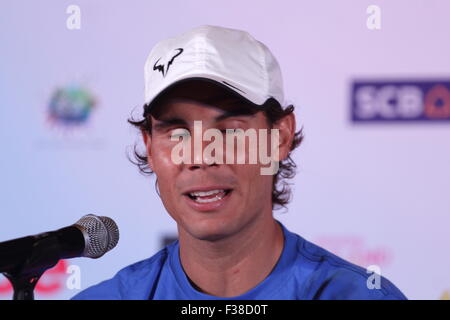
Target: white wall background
[[385, 187]]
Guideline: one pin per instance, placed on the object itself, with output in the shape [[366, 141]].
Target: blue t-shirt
[[303, 271]]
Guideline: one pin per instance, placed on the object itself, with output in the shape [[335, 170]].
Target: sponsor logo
[[397, 100], [52, 281], [70, 106], [355, 250], [164, 67]]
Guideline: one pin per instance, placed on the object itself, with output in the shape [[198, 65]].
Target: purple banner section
[[400, 100]]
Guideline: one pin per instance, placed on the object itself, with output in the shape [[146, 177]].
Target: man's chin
[[211, 237], [210, 231]]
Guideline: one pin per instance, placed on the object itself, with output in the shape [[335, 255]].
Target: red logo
[[355, 250], [51, 282]]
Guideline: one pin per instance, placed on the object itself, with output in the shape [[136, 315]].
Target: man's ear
[[286, 127], [148, 141]]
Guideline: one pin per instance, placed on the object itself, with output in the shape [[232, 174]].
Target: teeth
[[208, 200], [197, 196], [207, 193]]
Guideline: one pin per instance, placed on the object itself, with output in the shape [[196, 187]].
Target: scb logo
[[400, 101]]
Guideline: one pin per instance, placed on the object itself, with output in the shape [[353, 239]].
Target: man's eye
[[232, 130], [179, 132]]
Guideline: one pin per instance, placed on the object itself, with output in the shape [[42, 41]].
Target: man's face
[[243, 194]]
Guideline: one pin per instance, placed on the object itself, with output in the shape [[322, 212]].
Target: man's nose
[[203, 154]]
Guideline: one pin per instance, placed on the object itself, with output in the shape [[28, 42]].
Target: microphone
[[91, 236]]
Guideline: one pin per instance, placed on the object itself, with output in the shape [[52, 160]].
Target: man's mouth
[[208, 196]]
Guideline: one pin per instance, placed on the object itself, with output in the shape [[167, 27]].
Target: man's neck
[[232, 266]]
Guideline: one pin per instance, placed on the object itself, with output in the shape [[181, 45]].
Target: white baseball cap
[[229, 57]]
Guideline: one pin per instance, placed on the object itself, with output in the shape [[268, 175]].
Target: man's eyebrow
[[175, 121], [229, 114], [165, 123]]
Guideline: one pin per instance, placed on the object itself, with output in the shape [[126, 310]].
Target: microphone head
[[101, 234]]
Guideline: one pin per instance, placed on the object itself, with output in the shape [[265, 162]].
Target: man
[[216, 82]]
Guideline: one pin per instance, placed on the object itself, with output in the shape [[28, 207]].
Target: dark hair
[[281, 191]]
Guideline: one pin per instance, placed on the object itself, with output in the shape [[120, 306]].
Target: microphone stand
[[43, 256]]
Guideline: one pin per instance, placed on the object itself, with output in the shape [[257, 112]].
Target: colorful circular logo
[[71, 105]]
